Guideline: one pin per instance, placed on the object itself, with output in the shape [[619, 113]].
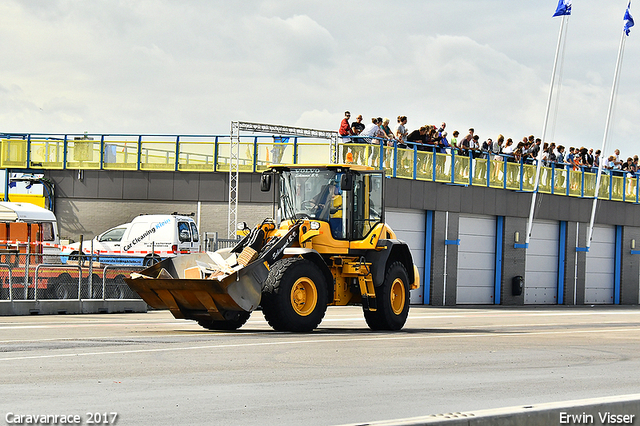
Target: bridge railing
[[210, 153]]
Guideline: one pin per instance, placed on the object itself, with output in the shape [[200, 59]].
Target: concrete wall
[[90, 202]]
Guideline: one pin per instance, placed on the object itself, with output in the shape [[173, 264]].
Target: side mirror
[[265, 182], [346, 182]]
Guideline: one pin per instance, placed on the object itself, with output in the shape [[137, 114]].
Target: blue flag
[[628, 20], [564, 8]]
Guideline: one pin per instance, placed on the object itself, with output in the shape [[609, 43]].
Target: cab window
[[47, 231], [367, 203], [194, 232], [184, 235]]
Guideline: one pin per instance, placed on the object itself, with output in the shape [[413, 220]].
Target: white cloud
[[192, 66]]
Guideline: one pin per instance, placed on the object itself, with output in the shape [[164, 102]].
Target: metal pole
[[604, 140], [544, 131]]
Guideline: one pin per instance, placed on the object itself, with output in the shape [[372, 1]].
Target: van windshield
[[114, 234]]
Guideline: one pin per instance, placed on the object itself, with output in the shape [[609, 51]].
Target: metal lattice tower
[[234, 156]]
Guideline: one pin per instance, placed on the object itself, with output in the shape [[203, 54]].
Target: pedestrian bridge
[[210, 153], [464, 218]]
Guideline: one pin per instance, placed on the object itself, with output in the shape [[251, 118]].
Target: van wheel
[[151, 260], [74, 256]]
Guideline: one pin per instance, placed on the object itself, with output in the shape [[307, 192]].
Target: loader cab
[[350, 200]]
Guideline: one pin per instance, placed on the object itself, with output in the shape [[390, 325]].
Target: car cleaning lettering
[[145, 234]]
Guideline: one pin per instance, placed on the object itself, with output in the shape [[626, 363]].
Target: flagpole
[[544, 131], [603, 156]]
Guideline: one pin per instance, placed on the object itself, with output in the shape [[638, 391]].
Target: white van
[[25, 225], [145, 240]]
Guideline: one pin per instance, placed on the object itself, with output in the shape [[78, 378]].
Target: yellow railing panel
[[544, 184], [560, 181], [443, 167], [196, 156], [120, 155], [480, 172], [424, 166], [274, 153], [245, 157], [513, 176], [603, 193], [83, 154], [496, 174], [405, 163], [14, 153], [617, 188], [47, 154], [631, 189], [590, 184], [575, 183], [461, 170]]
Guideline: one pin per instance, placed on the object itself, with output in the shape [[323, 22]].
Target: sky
[[194, 66]]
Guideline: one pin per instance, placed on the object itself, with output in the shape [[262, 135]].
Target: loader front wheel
[[393, 300], [234, 323], [296, 299]]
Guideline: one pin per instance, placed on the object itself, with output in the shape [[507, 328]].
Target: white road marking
[[369, 338]]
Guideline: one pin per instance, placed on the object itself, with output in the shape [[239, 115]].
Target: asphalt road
[[153, 369]]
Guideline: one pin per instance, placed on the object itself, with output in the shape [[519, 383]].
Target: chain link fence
[[26, 277]]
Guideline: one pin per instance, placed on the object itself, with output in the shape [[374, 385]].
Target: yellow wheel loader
[[328, 245]]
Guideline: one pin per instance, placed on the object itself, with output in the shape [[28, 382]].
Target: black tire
[[296, 296], [151, 260], [231, 324], [66, 287], [116, 288], [392, 299], [74, 256]]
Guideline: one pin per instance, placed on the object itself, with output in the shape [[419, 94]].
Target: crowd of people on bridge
[[435, 139]]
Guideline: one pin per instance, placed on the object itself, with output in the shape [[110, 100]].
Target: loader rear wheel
[[393, 300], [233, 323], [297, 300]]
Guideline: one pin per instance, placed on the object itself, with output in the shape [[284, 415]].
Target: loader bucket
[[176, 284]]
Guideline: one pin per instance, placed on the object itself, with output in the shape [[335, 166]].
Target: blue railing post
[[215, 154], [521, 173], [64, 153], [504, 173], [415, 162], [610, 185], [381, 162], [29, 151], [177, 154], [255, 154], [470, 167], [582, 189], [394, 171], [139, 152], [488, 170], [453, 165], [102, 152], [434, 158], [553, 177], [295, 150]]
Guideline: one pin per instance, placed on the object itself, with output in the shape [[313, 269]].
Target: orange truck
[[29, 260]]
